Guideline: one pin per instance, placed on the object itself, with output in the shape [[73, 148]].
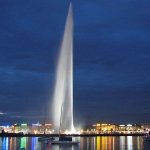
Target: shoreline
[[74, 135]]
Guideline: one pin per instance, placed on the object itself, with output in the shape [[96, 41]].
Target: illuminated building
[[105, 128], [99, 128], [37, 128], [130, 128], [48, 128], [145, 127]]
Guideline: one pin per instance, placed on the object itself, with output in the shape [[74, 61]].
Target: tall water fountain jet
[[62, 107]]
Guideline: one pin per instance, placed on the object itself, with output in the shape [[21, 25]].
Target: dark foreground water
[[86, 143]]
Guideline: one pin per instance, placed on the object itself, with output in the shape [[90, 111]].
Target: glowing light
[[129, 143], [5, 144], [129, 125], [67, 132], [35, 131], [122, 125], [23, 124], [122, 142], [104, 124], [37, 124], [23, 143], [63, 91], [98, 143], [48, 124]]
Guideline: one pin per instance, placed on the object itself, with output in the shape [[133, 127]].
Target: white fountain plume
[[63, 91]]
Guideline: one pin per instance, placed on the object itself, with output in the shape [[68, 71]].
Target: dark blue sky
[[111, 59]]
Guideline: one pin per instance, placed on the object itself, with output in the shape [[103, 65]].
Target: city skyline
[[111, 59]]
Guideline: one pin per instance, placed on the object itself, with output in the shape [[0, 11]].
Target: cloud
[[2, 113], [111, 54]]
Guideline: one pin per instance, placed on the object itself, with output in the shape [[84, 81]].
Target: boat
[[47, 139], [65, 140]]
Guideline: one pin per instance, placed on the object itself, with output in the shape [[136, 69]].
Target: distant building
[[146, 127], [130, 128], [41, 128], [105, 128]]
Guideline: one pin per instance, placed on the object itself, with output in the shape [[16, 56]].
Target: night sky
[[111, 59]]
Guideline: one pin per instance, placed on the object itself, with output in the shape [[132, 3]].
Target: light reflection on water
[[86, 143]]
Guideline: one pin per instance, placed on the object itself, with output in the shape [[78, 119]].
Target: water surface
[[86, 143]]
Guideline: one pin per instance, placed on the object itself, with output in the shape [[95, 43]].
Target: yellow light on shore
[[35, 131]]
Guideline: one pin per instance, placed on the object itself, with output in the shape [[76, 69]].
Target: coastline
[[74, 135]]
